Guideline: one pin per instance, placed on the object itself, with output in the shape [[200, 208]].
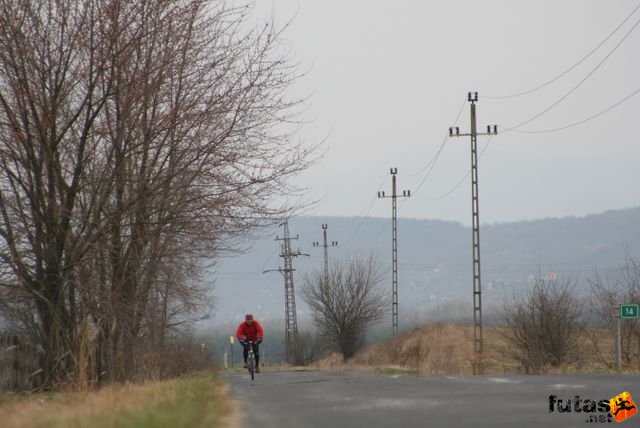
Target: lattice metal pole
[[475, 223], [394, 246], [326, 246], [290, 317], [291, 322]]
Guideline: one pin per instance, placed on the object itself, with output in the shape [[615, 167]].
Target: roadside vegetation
[[196, 400], [140, 141], [547, 328], [446, 349]]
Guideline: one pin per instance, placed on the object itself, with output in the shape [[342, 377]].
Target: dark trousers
[[245, 353]]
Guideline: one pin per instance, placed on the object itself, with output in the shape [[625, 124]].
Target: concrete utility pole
[[475, 217], [290, 317], [618, 340], [326, 253], [394, 245]]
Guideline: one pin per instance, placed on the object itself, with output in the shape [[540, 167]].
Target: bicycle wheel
[[252, 366]]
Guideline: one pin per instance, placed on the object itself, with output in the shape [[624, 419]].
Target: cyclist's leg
[[245, 353]]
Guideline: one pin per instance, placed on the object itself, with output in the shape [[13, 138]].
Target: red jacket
[[247, 332]]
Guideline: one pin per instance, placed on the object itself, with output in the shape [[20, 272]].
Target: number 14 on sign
[[628, 311]]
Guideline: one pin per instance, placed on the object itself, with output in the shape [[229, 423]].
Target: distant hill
[[434, 259]]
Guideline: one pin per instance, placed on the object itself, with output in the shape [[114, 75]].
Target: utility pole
[[475, 221], [394, 245], [623, 311], [325, 245], [618, 339], [290, 316]]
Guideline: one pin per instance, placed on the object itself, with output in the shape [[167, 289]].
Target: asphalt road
[[362, 399]]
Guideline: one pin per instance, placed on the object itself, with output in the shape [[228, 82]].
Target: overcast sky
[[387, 78]]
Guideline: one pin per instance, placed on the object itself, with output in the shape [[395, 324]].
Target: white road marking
[[502, 380], [567, 386]]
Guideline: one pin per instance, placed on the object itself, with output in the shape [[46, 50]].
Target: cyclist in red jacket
[[250, 330]]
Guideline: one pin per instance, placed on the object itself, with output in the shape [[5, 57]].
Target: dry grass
[[447, 349], [442, 349], [196, 400]]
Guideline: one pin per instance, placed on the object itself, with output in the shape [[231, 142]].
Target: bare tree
[[137, 139], [346, 306], [544, 326], [50, 97], [606, 294]]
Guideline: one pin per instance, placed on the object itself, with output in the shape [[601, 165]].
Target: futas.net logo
[[622, 406], [619, 408]]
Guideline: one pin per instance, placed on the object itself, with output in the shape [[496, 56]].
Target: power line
[[598, 46], [457, 186], [238, 273], [264, 265], [565, 96], [384, 229], [560, 128], [571, 125], [445, 139], [364, 217], [430, 165], [504, 267], [433, 164]]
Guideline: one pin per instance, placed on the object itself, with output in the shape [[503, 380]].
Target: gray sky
[[388, 78]]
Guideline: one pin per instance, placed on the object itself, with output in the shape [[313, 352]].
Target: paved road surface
[[361, 399]]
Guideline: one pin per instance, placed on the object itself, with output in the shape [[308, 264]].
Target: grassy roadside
[[446, 349], [196, 400]]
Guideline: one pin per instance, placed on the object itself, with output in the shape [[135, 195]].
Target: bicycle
[[251, 360]]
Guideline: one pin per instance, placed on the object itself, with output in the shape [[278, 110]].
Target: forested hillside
[[434, 258]]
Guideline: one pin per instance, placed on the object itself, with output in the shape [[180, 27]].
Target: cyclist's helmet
[[248, 317]]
